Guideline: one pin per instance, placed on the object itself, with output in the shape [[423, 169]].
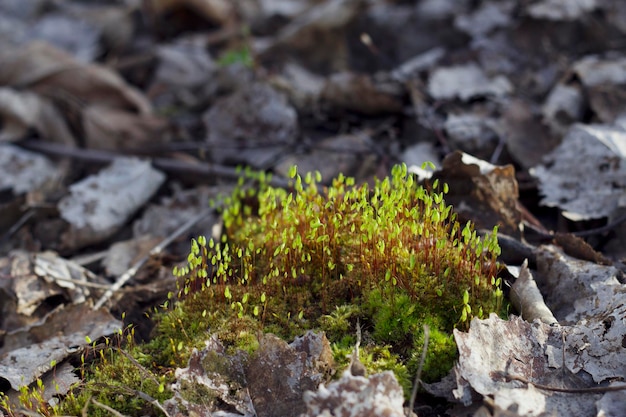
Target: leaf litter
[[535, 90]]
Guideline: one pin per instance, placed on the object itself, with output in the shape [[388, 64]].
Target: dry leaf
[[585, 176], [481, 192], [466, 82], [99, 205], [22, 111], [527, 299]]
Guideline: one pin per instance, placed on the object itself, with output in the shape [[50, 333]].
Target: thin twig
[[591, 390], [107, 408], [86, 407], [142, 370], [584, 233], [30, 213], [152, 401], [606, 228], [126, 276], [356, 367], [83, 283], [130, 391], [204, 170], [418, 376]]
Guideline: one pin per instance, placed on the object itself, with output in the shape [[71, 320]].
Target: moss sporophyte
[[392, 255]]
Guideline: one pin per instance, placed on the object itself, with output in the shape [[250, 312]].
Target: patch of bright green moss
[[116, 381], [312, 257]]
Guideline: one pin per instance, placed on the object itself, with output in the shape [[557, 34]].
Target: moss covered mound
[[392, 256]]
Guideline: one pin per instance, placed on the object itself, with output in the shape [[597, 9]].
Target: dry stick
[[416, 96], [147, 398], [86, 407], [131, 391], [83, 283], [30, 213], [584, 233], [152, 401], [592, 390], [142, 370], [29, 413], [356, 367], [123, 279], [107, 408], [165, 164], [418, 376]]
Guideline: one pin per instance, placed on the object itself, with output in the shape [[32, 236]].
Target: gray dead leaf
[[100, 204], [331, 156], [294, 368], [74, 278], [594, 346], [583, 176], [30, 352], [212, 371], [56, 382], [481, 192], [355, 396], [466, 82], [347, 91], [59, 380], [591, 296], [268, 384], [612, 404], [251, 126], [184, 63], [411, 68], [496, 347], [122, 255], [527, 137], [474, 134], [485, 349], [284, 8], [587, 295], [604, 80], [561, 9], [414, 156], [23, 171], [527, 299], [65, 32], [165, 217], [615, 12], [113, 23], [594, 71], [30, 290], [577, 290], [22, 111], [441, 9], [489, 16], [563, 106], [322, 17], [302, 87]]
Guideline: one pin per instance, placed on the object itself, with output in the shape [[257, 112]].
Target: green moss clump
[[118, 378], [392, 256]]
